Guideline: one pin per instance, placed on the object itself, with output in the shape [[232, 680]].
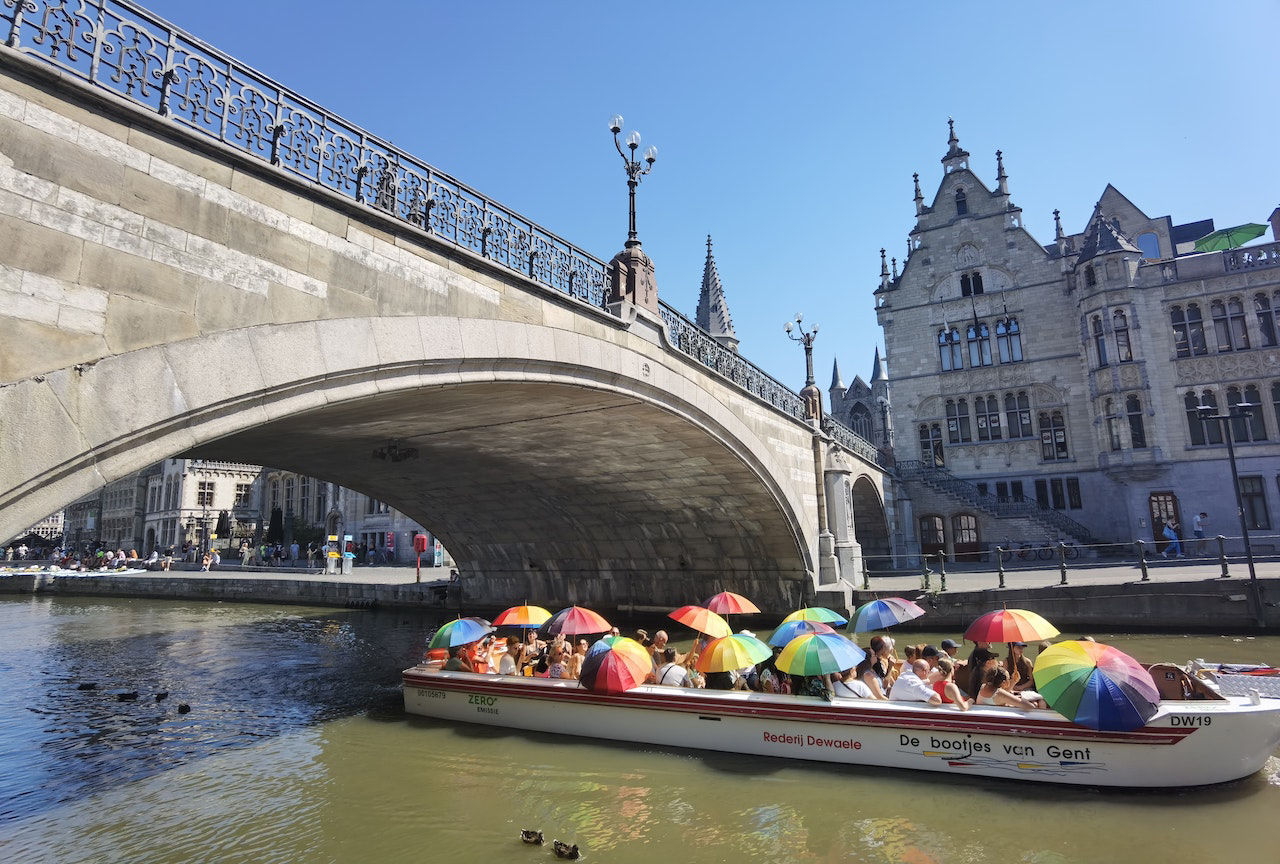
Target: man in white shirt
[[913, 685], [671, 673]]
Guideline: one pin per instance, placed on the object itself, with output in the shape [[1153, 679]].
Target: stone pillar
[[840, 523], [632, 279]]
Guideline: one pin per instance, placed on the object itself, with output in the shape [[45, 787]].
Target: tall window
[[958, 431], [1266, 318], [931, 445], [964, 530], [1188, 330], [1058, 493], [970, 284], [1197, 428], [962, 203], [860, 420], [988, 411], [290, 484], [1275, 401], [1253, 496], [949, 350], [244, 494], [1017, 411], [1113, 424], [1257, 420], [1090, 276], [1120, 324], [275, 494], [979, 345], [1009, 340], [320, 502], [1253, 427], [1053, 436], [1074, 501], [931, 533], [1228, 324], [1212, 428], [204, 493], [1149, 243], [1099, 340], [304, 499], [1137, 431]]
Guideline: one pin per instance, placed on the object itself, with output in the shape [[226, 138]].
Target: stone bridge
[[180, 279]]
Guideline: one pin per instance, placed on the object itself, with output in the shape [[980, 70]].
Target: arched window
[[931, 445], [1009, 340], [979, 345], [1275, 401], [1120, 324], [860, 420], [1212, 428], [962, 203], [275, 494], [1253, 427], [1149, 243], [1099, 340], [289, 486], [1181, 338], [931, 539], [304, 499], [1195, 330], [1090, 276], [1017, 413], [1228, 324], [1113, 424], [949, 350], [988, 411], [1053, 437], [970, 284], [1195, 425], [1257, 420], [1137, 431], [1266, 318], [958, 429]]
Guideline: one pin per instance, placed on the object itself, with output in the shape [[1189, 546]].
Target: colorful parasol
[[816, 613], [728, 603], [702, 620], [461, 631], [1010, 625], [790, 630], [818, 654], [737, 651], [1096, 685], [522, 616], [879, 614], [574, 621], [623, 664]]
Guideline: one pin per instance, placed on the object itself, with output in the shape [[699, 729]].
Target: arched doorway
[[870, 526], [1163, 506], [964, 537], [932, 540]]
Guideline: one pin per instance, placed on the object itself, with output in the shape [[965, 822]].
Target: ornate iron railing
[[120, 47]]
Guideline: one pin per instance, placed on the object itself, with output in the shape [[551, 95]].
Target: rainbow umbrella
[[816, 613], [879, 614], [818, 654], [1096, 685], [737, 651], [786, 632], [702, 620], [522, 616], [728, 603], [574, 621], [461, 631], [1010, 625], [623, 664]]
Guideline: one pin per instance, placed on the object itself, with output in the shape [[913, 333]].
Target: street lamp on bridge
[[635, 170], [1240, 411], [810, 394]]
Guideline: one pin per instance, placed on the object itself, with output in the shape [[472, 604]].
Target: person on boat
[[672, 672], [868, 673], [910, 654], [696, 678], [847, 685], [533, 646], [659, 646], [574, 661], [929, 654], [978, 660], [555, 662], [510, 662], [943, 677], [479, 654], [952, 648], [1019, 667], [458, 661], [913, 685], [997, 689]]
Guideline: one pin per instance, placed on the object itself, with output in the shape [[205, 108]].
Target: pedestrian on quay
[[1171, 534], [1199, 525]]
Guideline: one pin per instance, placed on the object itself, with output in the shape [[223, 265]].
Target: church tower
[[713, 311]]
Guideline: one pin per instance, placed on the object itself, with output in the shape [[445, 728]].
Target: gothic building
[[1051, 389]]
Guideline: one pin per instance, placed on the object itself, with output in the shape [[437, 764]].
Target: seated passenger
[[913, 685], [981, 661], [997, 690], [457, 661], [1019, 667], [945, 686], [848, 685], [672, 673], [574, 661], [510, 662], [867, 673], [555, 661]]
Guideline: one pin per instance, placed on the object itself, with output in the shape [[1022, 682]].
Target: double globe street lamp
[[1240, 411]]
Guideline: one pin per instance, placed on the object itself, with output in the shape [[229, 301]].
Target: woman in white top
[[997, 690]]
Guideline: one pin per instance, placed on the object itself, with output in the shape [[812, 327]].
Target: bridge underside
[[551, 491]]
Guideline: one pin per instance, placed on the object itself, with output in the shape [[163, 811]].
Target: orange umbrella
[[728, 603], [703, 620], [522, 616]]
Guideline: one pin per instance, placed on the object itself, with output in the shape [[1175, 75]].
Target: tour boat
[[1186, 743]]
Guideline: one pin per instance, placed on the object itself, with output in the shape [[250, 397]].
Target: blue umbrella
[[791, 629], [879, 614]]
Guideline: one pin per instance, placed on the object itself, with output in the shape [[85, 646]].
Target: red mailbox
[[419, 543]]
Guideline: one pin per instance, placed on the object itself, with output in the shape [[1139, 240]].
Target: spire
[[1002, 179], [884, 270], [713, 311], [836, 383], [895, 269], [919, 195], [1057, 225], [877, 368], [956, 157]]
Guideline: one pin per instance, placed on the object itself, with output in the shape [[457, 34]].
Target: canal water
[[296, 749]]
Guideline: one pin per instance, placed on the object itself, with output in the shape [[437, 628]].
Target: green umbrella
[[1230, 238]]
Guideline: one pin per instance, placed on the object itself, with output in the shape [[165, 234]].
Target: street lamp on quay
[[635, 170], [1240, 411]]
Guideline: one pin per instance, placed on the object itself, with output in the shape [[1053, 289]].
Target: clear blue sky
[[789, 132]]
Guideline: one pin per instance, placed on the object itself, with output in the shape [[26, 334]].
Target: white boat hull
[[1185, 744]]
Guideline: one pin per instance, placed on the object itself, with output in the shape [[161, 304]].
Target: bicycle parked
[[1046, 551]]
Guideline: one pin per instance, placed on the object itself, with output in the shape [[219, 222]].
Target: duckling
[[184, 708], [127, 697], [162, 695], [564, 850], [529, 836]]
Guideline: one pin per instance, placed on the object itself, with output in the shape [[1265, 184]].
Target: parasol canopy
[[879, 614], [461, 631], [1096, 685], [728, 603], [622, 664], [819, 654], [703, 620], [816, 613], [737, 651], [522, 616], [790, 630], [574, 621], [1230, 238], [1010, 625]]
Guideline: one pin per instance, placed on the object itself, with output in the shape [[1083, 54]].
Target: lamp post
[[635, 169], [1241, 411], [806, 338]]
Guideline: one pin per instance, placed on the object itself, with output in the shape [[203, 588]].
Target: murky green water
[[296, 750]]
